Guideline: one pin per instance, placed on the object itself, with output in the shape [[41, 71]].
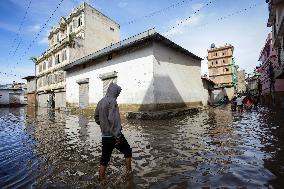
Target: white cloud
[[181, 25], [35, 28], [197, 6], [43, 41], [44, 38]]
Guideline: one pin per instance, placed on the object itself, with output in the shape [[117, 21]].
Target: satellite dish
[[213, 46]]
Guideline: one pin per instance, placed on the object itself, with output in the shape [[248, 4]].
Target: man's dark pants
[[109, 143]]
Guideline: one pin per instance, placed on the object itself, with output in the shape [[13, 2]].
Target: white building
[[153, 72], [83, 31], [12, 97]]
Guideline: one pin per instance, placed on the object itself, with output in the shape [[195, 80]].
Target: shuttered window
[[83, 95], [107, 82]]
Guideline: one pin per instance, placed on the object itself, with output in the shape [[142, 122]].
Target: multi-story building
[[222, 68], [272, 88], [84, 31], [242, 85], [253, 84], [221, 65], [276, 21]]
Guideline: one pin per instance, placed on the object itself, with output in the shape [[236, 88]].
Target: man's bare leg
[[128, 165], [102, 173]]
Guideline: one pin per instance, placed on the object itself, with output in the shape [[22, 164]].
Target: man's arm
[[114, 120]]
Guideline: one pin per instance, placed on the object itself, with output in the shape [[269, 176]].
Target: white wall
[[98, 32], [42, 100], [135, 76], [5, 97], [177, 77]]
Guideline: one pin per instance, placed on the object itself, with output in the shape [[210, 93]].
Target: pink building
[[272, 89]]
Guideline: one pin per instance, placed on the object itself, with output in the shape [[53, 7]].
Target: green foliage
[[34, 59]]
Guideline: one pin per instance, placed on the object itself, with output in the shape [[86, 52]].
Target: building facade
[[253, 85], [83, 31], [153, 72], [276, 22], [31, 90], [242, 85], [272, 88], [222, 68], [12, 97]]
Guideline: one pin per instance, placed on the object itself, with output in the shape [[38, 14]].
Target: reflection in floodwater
[[213, 148]]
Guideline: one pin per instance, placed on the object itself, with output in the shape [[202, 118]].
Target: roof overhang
[[28, 77], [144, 37]]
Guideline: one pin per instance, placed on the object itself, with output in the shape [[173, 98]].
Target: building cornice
[[222, 57], [217, 75], [220, 48], [209, 67]]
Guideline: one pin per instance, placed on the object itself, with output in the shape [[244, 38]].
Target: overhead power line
[[184, 20], [233, 14], [221, 18], [19, 31], [156, 12], [10, 74], [40, 31]]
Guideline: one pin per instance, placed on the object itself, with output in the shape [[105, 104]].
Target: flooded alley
[[213, 148]]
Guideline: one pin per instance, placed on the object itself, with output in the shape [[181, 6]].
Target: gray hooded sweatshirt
[[107, 113]]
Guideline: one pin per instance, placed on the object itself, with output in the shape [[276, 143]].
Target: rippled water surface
[[213, 148]]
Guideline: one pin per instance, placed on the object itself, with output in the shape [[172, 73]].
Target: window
[[49, 62], [226, 69], [40, 67], [57, 60], [55, 78], [70, 29], [215, 71], [224, 61], [44, 66], [112, 29], [57, 37], [38, 82], [80, 21], [108, 78], [216, 54], [216, 62], [64, 55], [212, 63], [74, 23]]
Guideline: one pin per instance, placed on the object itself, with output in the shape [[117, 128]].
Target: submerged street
[[213, 148]]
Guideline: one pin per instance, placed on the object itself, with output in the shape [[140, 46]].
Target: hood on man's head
[[113, 90]]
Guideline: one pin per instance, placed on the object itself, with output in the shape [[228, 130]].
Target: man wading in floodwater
[[107, 116]]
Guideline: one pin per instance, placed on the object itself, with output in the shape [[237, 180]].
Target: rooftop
[[134, 40], [227, 46]]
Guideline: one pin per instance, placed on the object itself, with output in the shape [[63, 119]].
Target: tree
[[34, 59]]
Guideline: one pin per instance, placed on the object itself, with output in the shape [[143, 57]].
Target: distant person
[[107, 116], [226, 99], [247, 103], [234, 103], [239, 101]]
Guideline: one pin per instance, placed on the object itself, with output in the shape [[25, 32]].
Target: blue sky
[[247, 31]]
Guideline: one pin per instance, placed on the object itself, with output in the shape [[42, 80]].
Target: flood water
[[214, 148]]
